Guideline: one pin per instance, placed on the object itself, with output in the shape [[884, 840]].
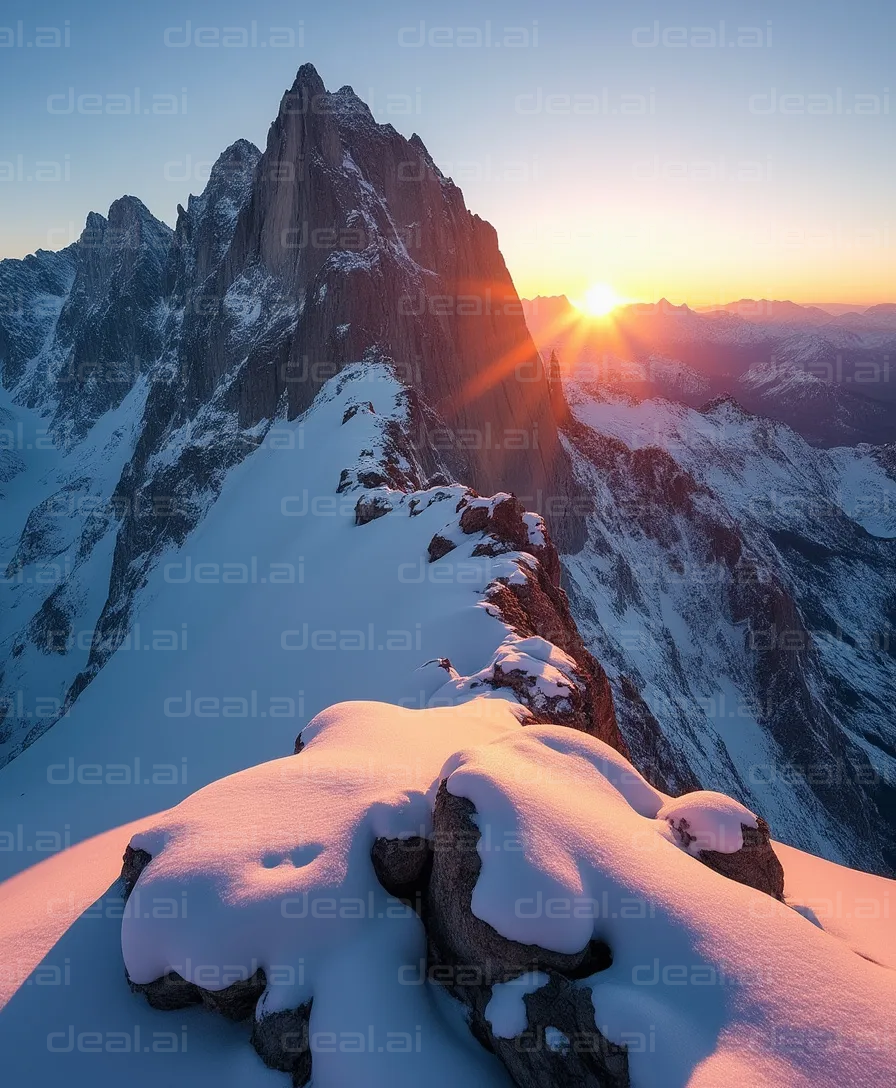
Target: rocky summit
[[387, 697]]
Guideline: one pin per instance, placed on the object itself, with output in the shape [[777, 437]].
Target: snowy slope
[[743, 582], [711, 982], [277, 602]]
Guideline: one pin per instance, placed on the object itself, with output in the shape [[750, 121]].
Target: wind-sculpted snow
[[288, 886], [726, 983], [714, 979]]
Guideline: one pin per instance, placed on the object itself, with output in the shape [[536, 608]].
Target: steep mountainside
[[140, 365], [738, 585], [330, 566]]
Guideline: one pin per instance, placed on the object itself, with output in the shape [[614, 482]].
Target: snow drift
[[708, 980]]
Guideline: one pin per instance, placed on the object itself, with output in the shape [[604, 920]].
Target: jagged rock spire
[[559, 407]]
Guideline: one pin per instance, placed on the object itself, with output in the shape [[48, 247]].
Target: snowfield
[[711, 981], [260, 861], [277, 605]]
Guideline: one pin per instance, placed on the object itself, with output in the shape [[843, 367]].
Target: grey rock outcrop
[[370, 507], [756, 864], [455, 931], [561, 1045], [282, 1041], [537, 605]]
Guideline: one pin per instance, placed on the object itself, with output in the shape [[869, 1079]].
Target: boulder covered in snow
[[171, 990], [727, 837], [459, 935], [756, 864], [370, 507], [415, 874]]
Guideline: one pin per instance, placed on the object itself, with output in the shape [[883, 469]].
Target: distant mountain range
[[830, 377], [782, 310]]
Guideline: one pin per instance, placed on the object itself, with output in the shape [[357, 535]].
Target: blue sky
[[626, 143]]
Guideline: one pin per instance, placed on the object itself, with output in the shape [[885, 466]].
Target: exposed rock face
[[32, 293], [133, 864], [755, 864], [108, 332], [537, 605], [369, 508], [743, 614], [171, 991], [559, 407], [402, 865], [360, 227], [342, 241], [439, 547], [561, 1045], [282, 1041], [657, 758]]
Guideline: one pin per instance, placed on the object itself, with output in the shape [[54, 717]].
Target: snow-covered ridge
[[563, 820], [378, 606], [283, 590]]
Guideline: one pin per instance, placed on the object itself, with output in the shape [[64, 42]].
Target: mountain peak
[[724, 401], [128, 209], [236, 162], [239, 151], [308, 79], [95, 222]]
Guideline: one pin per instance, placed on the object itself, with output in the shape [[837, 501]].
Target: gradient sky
[[603, 150]]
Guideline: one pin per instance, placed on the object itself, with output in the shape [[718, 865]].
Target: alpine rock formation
[[143, 364], [380, 702]]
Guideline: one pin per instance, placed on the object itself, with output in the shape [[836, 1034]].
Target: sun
[[599, 300]]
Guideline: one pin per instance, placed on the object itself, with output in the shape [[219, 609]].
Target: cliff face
[[737, 586], [155, 361], [355, 244]]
